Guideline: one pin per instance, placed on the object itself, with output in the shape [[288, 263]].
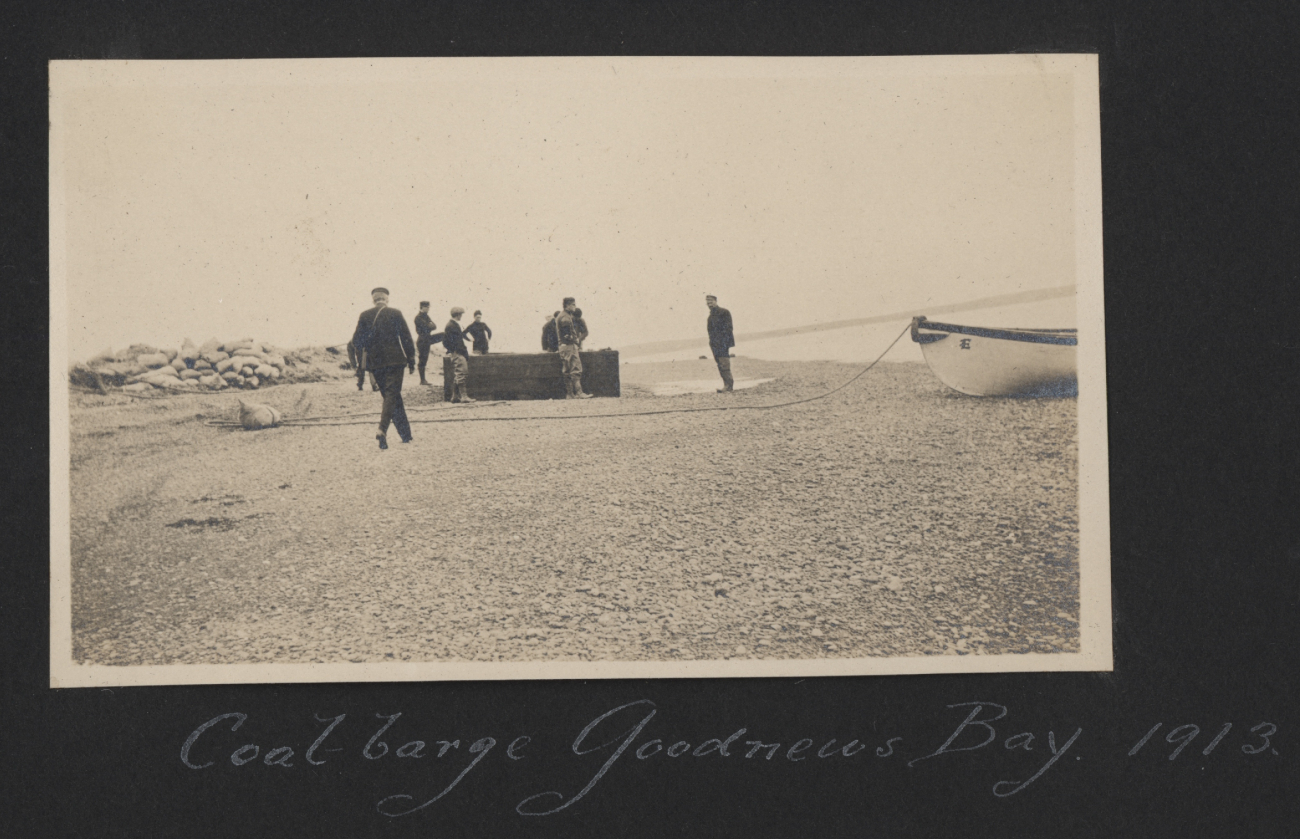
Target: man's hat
[[569, 300], [380, 290], [424, 303], [478, 312], [709, 297], [456, 310]]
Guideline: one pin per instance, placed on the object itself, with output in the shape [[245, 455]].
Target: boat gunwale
[[1060, 337]]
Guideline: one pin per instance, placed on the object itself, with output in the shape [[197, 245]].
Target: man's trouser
[[459, 368], [571, 367], [390, 386], [724, 367], [423, 348]]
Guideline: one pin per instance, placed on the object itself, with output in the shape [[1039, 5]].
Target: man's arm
[[359, 335], [408, 346], [357, 349], [454, 339]]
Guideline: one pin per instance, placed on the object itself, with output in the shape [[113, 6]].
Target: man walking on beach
[[424, 337], [480, 332], [721, 340], [453, 341], [384, 346], [570, 337]]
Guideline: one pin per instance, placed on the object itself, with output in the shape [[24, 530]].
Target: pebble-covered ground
[[894, 517]]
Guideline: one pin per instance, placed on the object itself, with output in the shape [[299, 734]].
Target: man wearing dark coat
[[721, 340], [355, 361], [384, 346], [551, 334], [480, 332], [580, 325], [425, 337]]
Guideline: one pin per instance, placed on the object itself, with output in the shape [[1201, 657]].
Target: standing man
[[355, 361], [550, 334], [384, 346], [581, 326], [424, 336], [721, 340], [480, 332], [571, 362], [453, 340]]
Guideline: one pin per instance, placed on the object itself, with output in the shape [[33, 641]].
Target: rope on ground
[[118, 392], [316, 422]]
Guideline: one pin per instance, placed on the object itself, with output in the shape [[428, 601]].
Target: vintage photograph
[[422, 369]]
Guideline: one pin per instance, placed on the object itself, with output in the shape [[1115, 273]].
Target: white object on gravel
[[253, 416]]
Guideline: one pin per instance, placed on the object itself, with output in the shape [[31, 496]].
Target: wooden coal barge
[[533, 375]]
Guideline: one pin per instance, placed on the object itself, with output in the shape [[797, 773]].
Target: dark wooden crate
[[533, 375]]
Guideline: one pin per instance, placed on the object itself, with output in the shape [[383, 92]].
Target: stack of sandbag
[[245, 363], [211, 366]]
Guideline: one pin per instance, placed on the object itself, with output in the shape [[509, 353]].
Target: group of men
[[382, 346], [452, 337]]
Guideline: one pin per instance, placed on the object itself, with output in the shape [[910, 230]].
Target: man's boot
[[464, 394], [422, 381], [578, 392]]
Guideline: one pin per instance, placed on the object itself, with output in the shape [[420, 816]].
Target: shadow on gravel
[[212, 522]]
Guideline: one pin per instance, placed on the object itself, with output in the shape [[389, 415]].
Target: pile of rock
[[212, 366]]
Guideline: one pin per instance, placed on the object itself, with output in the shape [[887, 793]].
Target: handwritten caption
[[622, 733]]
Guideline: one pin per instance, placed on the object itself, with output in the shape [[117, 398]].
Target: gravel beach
[[893, 517]]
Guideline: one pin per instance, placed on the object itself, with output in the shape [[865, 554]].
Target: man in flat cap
[[424, 337], [721, 340], [384, 346], [571, 363], [453, 341]]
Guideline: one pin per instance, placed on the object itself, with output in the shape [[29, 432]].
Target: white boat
[[982, 361]]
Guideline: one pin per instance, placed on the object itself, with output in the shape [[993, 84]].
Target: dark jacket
[[424, 334], [721, 338], [550, 338], [480, 332], [567, 328], [383, 339], [453, 339]]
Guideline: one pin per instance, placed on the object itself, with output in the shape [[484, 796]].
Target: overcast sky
[[265, 199]]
